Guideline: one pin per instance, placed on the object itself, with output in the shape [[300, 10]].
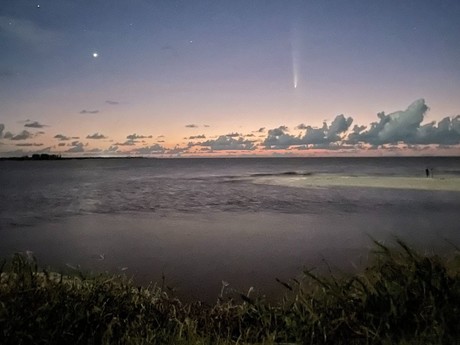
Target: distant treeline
[[34, 157]]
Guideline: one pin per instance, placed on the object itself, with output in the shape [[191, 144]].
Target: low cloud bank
[[400, 127], [225, 142]]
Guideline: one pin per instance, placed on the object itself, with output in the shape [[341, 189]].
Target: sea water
[[246, 221]]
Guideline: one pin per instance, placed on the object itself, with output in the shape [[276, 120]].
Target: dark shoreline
[[52, 157]]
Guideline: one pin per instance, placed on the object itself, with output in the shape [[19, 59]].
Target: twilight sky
[[218, 78]]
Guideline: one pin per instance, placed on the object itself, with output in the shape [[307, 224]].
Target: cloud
[[153, 149], [400, 127], [34, 124], [136, 136], [206, 126], [62, 137], [27, 32], [96, 136], [406, 127], [447, 132], [301, 126], [260, 130], [191, 126], [193, 137], [327, 134], [95, 150], [61, 144], [29, 144], [224, 142], [24, 135], [233, 135], [112, 102], [112, 149], [127, 143], [77, 147], [277, 138], [2, 128], [84, 111]]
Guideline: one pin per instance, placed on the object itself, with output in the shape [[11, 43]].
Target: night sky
[[218, 78]]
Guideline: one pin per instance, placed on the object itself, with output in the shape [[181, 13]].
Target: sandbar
[[442, 183]]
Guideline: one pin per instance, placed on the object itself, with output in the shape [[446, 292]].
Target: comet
[[295, 69], [295, 57]]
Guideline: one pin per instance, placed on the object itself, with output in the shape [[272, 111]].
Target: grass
[[402, 297]]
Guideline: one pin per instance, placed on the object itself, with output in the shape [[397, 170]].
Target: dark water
[[200, 221]]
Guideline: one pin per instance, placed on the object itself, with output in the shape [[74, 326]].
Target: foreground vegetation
[[401, 298]]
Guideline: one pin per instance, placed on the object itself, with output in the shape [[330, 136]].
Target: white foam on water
[[441, 183]]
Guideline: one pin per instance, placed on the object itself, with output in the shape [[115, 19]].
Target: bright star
[[95, 55]]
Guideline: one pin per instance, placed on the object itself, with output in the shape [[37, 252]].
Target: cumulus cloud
[[447, 132], [136, 136], [34, 124], [77, 147], [327, 134], [400, 127], [191, 126], [96, 136], [224, 142], [84, 111], [406, 127], [277, 138], [24, 135]]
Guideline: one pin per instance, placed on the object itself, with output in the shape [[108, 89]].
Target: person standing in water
[[429, 172]]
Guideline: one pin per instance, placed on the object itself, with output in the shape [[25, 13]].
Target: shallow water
[[199, 222]]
